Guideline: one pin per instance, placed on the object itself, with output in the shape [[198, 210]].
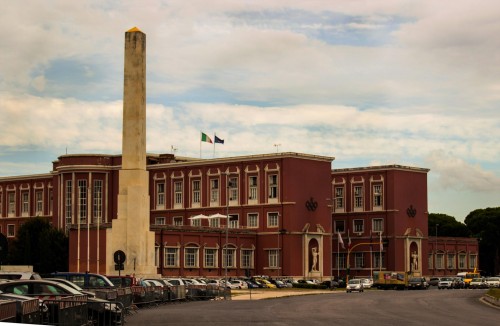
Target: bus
[[390, 280], [469, 276]]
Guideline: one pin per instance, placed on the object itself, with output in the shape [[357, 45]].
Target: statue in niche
[[414, 261], [315, 254]]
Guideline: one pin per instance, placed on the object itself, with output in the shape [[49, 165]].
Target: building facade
[[269, 214]]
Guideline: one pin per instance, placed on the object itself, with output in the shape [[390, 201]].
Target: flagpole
[[213, 155], [371, 255], [201, 135], [338, 256]]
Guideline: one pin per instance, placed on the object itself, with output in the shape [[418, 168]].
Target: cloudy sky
[[368, 82]]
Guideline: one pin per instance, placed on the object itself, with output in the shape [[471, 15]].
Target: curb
[[491, 301]]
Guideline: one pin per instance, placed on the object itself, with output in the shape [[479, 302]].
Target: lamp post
[[279, 246], [332, 201], [227, 228], [436, 250]]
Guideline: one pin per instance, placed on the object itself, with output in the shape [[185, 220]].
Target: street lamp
[[435, 250]]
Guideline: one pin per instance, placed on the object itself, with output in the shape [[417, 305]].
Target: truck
[[390, 280]]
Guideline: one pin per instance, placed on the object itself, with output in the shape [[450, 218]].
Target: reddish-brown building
[[281, 210]]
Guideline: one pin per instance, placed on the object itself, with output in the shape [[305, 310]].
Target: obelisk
[[130, 232]]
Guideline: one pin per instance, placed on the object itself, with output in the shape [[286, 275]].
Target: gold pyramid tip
[[133, 29]]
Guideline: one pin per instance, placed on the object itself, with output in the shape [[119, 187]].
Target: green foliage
[[40, 245], [494, 293], [485, 225], [309, 286], [448, 226]]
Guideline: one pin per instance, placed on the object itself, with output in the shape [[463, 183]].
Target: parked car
[[252, 284], [354, 285], [86, 280], [478, 283], [367, 283], [418, 283], [239, 284], [445, 283], [493, 282], [458, 283], [434, 281], [331, 284], [267, 284]]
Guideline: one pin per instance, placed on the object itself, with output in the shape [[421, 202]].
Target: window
[[160, 195], [377, 196], [210, 258], [160, 221], [252, 188], [378, 225], [157, 255], [177, 194], [431, 261], [11, 199], [273, 258], [359, 261], [246, 258], [97, 198], [273, 186], [11, 230], [272, 220], [234, 221], [25, 203], [450, 261], [439, 261], [341, 260], [378, 260], [252, 220], [51, 200], [339, 198], [69, 201], [358, 197], [177, 221], [171, 257], [196, 222], [461, 261], [358, 226], [1, 196], [228, 257], [339, 226], [82, 200], [214, 191], [191, 257], [233, 189], [196, 199], [213, 222], [472, 261], [39, 202]]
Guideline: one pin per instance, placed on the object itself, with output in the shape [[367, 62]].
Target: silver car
[[355, 284]]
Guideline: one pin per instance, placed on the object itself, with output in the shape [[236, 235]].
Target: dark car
[[434, 281], [330, 284], [418, 283]]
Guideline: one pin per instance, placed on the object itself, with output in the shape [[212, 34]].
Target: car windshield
[[476, 280], [353, 281], [415, 279], [446, 279]]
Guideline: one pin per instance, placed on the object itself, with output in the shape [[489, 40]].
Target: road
[[432, 307]]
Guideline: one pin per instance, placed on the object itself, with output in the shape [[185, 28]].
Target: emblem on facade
[[311, 205], [411, 211]]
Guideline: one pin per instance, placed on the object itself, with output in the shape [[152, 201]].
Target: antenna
[[277, 147]]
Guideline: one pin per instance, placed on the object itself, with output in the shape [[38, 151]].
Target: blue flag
[[218, 140]]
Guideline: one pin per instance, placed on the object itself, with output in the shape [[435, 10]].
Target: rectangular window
[[82, 200], [1, 204], [191, 257], [450, 261], [377, 196], [431, 261], [157, 256], [378, 225], [69, 201], [272, 220], [39, 202], [196, 222], [196, 184], [160, 195], [160, 221], [273, 186], [339, 198], [228, 257], [246, 258], [25, 203], [378, 260], [210, 258], [11, 199], [461, 261], [11, 230], [171, 257], [341, 260], [177, 221], [177, 194], [252, 188], [252, 220], [339, 226], [214, 191], [97, 199], [358, 197], [233, 189], [359, 226], [273, 258], [472, 261], [439, 261], [359, 261], [234, 221], [214, 222], [51, 200]]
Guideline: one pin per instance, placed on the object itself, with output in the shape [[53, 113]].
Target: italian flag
[[205, 138]]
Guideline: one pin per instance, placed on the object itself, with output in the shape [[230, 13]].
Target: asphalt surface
[[431, 307]]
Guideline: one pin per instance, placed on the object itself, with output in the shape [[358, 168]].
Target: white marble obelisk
[[130, 231]]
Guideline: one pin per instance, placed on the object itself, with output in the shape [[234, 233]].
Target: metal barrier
[[143, 295], [71, 311], [125, 297], [197, 292], [7, 311], [105, 313], [27, 309], [215, 292], [178, 292]]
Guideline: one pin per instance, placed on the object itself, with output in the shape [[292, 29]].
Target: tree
[[40, 245], [448, 226], [485, 225]]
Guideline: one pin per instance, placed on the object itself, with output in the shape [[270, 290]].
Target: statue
[[414, 260], [315, 254]]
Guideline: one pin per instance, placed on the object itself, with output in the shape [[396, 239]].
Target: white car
[[493, 282], [445, 283], [354, 285], [367, 283], [239, 284]]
